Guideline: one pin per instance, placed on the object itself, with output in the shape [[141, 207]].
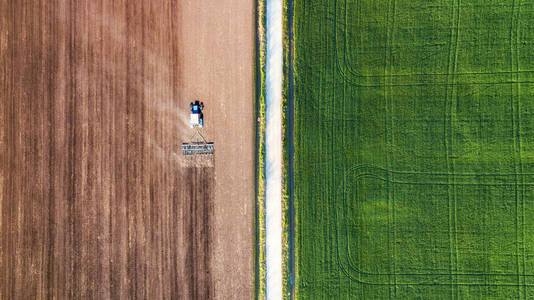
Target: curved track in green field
[[353, 271]]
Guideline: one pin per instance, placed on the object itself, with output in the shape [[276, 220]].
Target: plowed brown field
[[96, 200]]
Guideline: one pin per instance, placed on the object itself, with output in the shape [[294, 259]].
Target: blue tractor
[[198, 146], [197, 118]]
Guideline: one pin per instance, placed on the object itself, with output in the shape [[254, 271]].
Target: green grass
[[260, 148], [414, 160]]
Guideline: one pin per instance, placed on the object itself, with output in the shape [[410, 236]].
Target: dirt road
[[96, 200]]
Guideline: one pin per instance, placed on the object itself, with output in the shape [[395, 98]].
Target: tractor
[[197, 144], [197, 118]]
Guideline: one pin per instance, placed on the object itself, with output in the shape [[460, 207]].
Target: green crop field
[[414, 149]]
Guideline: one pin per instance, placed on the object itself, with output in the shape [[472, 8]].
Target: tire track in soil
[[197, 226]]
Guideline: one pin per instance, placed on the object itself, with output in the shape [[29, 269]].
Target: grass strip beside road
[[260, 151]]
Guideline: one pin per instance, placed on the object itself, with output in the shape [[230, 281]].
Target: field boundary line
[[291, 148]]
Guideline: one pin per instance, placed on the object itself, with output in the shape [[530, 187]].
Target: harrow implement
[[198, 147]]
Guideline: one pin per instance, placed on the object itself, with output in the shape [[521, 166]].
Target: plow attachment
[[199, 147]]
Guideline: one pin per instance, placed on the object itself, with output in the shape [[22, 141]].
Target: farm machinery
[[197, 117], [197, 144]]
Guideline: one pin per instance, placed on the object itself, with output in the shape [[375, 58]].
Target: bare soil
[[96, 199]]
